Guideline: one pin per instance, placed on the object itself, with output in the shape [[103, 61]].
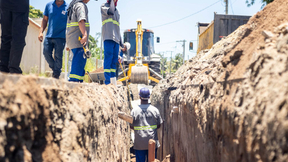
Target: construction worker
[[146, 121], [55, 14], [77, 26], [120, 57], [112, 39], [14, 23]]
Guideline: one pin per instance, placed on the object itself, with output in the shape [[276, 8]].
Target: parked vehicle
[[220, 27]]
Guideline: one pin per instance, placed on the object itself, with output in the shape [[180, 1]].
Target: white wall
[[32, 58]]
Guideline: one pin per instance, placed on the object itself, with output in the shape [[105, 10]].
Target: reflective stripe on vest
[[110, 20], [72, 24], [76, 76], [145, 127]]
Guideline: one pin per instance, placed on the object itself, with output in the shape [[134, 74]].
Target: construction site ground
[[229, 103]]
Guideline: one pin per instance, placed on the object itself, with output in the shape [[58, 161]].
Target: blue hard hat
[[144, 93]]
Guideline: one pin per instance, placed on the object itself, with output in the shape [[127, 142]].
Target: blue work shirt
[[57, 20]]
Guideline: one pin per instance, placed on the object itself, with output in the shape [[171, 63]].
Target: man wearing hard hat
[[146, 121]]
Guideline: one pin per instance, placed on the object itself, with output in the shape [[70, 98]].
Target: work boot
[[113, 81], [55, 76]]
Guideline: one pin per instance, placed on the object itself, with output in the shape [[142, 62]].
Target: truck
[[220, 27]]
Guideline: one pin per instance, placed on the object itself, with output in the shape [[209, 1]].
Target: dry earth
[[50, 120], [233, 99]]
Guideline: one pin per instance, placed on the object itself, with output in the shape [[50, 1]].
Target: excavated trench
[[229, 103]]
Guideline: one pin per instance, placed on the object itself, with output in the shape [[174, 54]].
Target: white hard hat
[[128, 45]]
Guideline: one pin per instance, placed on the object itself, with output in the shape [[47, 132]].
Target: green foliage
[[163, 64], [90, 65], [95, 50], [35, 13], [264, 2], [177, 62]]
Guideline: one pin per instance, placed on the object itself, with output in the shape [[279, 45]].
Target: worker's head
[[115, 2], [144, 94], [59, 2]]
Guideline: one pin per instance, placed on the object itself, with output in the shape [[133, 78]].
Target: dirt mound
[[232, 98], [270, 17], [44, 120], [99, 70]]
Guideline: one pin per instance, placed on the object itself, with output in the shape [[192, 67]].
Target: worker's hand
[[40, 37], [83, 41], [67, 49], [124, 48], [120, 59]]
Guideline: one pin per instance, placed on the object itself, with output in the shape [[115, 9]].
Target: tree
[[177, 62], [163, 64], [35, 13], [95, 50], [264, 2]]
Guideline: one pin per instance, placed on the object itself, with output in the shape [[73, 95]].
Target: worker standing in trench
[[55, 15], [112, 39], [146, 121], [14, 23], [77, 26]]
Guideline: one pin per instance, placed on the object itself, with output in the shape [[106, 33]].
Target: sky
[[158, 15]]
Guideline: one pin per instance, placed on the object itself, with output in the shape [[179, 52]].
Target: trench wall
[[50, 120]]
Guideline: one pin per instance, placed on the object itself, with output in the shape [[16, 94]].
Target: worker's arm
[[159, 120], [82, 28], [81, 18], [121, 43], [108, 10], [111, 10], [42, 28]]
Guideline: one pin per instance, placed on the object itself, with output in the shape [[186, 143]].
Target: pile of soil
[[232, 98], [50, 120], [99, 70]]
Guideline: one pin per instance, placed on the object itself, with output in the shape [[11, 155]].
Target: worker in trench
[[14, 24], [146, 121], [120, 57], [77, 26], [55, 14], [112, 39]]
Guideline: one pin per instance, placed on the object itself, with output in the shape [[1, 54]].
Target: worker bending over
[[14, 23], [112, 39], [77, 26], [146, 121], [55, 15]]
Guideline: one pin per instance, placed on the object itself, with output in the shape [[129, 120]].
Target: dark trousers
[[117, 70], [14, 28], [142, 155], [56, 44]]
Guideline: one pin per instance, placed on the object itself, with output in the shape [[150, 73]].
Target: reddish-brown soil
[[99, 70]]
